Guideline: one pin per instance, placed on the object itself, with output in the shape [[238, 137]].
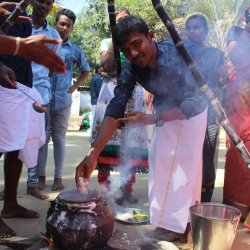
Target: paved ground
[[77, 145]]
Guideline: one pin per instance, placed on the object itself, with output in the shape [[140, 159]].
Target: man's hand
[[72, 89], [7, 77], [4, 12], [88, 165], [34, 48], [85, 168], [136, 119], [81, 79]]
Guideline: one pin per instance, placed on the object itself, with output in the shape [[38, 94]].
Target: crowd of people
[[39, 59], [48, 79]]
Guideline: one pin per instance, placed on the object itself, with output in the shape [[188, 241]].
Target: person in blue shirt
[[61, 95], [180, 119], [41, 81]]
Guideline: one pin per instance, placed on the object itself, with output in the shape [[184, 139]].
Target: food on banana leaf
[[139, 215]]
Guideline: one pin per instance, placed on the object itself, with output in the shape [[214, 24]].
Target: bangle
[[17, 46]]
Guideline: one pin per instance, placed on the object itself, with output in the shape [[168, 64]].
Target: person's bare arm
[[137, 119], [82, 78], [34, 48], [88, 165]]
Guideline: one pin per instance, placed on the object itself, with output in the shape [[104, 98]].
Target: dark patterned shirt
[[170, 81], [20, 66]]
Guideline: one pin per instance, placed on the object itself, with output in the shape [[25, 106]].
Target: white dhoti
[[21, 127], [175, 171]]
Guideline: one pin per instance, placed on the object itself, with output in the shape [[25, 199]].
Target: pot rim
[[96, 197]]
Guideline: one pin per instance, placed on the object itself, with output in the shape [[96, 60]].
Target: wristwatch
[[159, 120]]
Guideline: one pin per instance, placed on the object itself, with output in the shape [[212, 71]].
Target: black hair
[[129, 24], [201, 18], [97, 68], [121, 9], [66, 12]]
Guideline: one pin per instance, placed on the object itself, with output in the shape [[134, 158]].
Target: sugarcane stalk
[[112, 21], [237, 142], [11, 19]]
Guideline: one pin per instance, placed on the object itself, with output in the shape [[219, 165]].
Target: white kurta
[[21, 127], [135, 137], [175, 171]]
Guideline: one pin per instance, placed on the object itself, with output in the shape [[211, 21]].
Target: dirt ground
[[77, 145]]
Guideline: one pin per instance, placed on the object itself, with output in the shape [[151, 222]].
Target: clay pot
[[78, 221]]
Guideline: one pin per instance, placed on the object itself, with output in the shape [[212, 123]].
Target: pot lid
[[73, 196]]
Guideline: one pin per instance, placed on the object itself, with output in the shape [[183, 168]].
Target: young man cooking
[[179, 125]]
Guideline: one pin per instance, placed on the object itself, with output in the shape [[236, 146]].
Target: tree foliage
[[93, 25]]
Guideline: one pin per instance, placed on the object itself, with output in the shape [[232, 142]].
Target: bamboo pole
[[238, 143], [111, 12]]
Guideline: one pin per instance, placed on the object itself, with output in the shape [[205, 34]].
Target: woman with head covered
[[211, 59]]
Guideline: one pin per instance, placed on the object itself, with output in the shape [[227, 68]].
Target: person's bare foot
[[57, 186], [5, 230], [41, 182], [2, 195], [13, 211], [36, 192]]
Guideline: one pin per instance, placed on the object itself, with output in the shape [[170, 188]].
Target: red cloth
[[237, 174]]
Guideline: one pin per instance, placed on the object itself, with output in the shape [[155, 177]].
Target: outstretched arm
[[34, 48], [88, 165], [137, 119]]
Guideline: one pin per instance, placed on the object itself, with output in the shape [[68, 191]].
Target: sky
[[74, 5]]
